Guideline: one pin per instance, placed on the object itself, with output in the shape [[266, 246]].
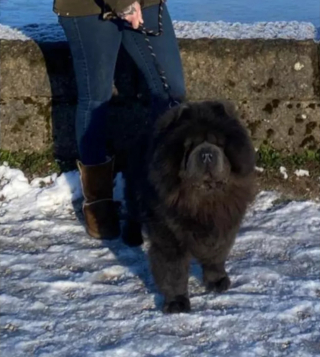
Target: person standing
[[95, 29]]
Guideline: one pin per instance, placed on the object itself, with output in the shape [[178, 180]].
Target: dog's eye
[[218, 141], [188, 150], [211, 139]]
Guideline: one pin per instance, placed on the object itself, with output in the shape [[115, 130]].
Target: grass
[[45, 163], [270, 158], [35, 164]]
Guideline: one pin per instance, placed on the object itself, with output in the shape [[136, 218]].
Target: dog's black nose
[[206, 157]]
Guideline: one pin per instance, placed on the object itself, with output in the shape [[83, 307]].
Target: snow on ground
[[301, 172], [185, 29], [66, 294], [283, 172]]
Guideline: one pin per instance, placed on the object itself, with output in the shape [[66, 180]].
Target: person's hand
[[132, 14]]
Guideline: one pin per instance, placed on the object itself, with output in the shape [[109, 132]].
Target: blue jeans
[[94, 46]]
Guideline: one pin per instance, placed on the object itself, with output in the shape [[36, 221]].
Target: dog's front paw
[[220, 285], [179, 304]]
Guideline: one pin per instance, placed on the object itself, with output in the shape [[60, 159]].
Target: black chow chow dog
[[193, 181]]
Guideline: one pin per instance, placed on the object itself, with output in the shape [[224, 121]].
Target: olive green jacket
[[93, 7]]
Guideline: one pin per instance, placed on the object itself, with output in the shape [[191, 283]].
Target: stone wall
[[275, 84]]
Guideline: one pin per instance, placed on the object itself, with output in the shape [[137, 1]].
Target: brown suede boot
[[99, 209]]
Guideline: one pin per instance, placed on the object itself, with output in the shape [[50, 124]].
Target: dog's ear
[[171, 117], [223, 108], [182, 109], [239, 150]]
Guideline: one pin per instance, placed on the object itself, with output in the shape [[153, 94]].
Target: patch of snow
[[66, 187], [264, 30], [13, 182], [259, 169], [183, 29], [301, 173], [283, 171], [49, 180], [66, 294], [298, 66]]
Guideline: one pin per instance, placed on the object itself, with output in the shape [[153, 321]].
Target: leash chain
[[147, 33]]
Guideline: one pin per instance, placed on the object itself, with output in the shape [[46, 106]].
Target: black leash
[[147, 33]]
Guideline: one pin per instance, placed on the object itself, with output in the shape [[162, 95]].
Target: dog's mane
[[223, 208]]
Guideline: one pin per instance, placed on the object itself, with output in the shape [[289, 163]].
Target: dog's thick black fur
[[193, 182]]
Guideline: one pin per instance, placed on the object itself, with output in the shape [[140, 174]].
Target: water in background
[[23, 12]]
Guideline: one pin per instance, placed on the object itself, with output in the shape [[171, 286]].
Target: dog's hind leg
[[170, 268], [215, 277], [132, 233]]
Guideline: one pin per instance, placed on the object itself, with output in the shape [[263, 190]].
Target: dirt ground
[[294, 187]]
